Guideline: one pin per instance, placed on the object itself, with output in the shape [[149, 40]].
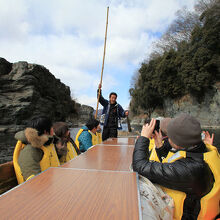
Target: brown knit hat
[[163, 125], [184, 131]]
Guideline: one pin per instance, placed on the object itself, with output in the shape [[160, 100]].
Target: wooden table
[[60, 193], [120, 141], [104, 157]]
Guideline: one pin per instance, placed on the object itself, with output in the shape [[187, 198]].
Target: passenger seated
[[189, 174], [162, 146], [65, 146], [35, 151], [86, 137]]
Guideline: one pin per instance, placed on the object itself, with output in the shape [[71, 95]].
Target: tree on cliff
[[191, 64], [180, 30]]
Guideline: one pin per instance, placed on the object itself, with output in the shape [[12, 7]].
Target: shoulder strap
[[75, 147]]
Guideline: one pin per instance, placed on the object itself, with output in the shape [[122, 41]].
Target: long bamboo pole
[[103, 61], [129, 125]]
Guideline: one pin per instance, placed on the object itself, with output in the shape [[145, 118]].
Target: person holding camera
[[159, 147], [190, 172]]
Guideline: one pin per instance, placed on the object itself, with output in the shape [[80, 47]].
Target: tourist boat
[[8, 178], [97, 184]]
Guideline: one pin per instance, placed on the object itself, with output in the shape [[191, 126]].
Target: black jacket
[[107, 107], [190, 175], [163, 151]]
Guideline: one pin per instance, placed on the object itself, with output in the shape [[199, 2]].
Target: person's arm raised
[[102, 100], [208, 139]]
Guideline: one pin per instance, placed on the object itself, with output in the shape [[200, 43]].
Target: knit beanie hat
[[163, 125], [184, 131]]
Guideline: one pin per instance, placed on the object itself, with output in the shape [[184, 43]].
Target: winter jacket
[[189, 175], [30, 157], [106, 108], [85, 139], [163, 151]]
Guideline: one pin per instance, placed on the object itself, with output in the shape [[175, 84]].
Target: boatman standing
[[111, 115]]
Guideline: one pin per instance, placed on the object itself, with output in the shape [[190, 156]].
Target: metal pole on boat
[[103, 61]]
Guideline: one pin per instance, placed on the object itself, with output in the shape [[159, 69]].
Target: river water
[[7, 142]]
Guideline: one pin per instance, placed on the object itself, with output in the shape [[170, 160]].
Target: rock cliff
[[29, 89], [84, 113], [207, 111]]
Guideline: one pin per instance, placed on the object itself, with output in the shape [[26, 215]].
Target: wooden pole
[[103, 61], [129, 125]]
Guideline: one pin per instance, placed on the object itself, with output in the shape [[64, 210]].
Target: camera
[[157, 125]]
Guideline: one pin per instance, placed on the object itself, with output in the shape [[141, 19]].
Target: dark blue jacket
[[106, 107]]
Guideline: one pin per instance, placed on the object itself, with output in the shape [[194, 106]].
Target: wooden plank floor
[[120, 141], [103, 157], [60, 193]]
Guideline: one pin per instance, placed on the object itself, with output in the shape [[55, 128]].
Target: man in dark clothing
[[111, 115]]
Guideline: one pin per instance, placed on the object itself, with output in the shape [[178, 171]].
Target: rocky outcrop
[[28, 90], [207, 111], [84, 113]]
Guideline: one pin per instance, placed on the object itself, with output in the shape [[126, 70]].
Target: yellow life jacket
[[152, 144], [19, 146], [95, 138], [77, 136], [152, 148], [99, 137], [210, 202], [71, 153], [49, 159]]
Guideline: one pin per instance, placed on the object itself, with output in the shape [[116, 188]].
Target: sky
[[67, 37]]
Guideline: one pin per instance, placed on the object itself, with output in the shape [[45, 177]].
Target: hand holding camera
[[151, 129], [157, 124], [148, 128]]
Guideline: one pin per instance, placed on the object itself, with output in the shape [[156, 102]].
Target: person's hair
[[113, 93], [60, 129], [41, 124], [92, 123]]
